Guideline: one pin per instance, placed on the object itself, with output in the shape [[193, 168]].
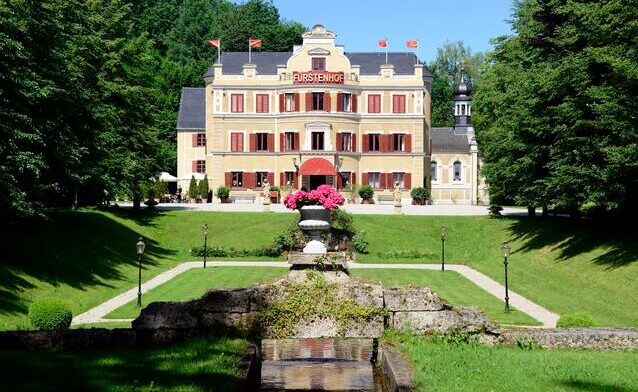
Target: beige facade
[[368, 119]]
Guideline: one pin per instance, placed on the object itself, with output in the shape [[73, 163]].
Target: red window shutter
[[391, 142], [353, 103], [265, 104], [353, 142], [233, 142], [296, 102], [308, 102], [253, 142], [228, 179], [194, 140], [296, 143], [240, 142], [366, 143], [339, 144], [364, 179], [282, 179], [408, 143], [282, 103], [383, 143], [271, 178], [194, 166], [271, 142], [339, 103], [407, 180], [252, 180], [339, 181], [240, 103], [395, 105], [353, 178], [296, 180], [388, 181], [402, 107], [370, 103], [326, 101], [282, 141]]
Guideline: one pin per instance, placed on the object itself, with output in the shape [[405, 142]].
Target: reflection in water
[[317, 364]]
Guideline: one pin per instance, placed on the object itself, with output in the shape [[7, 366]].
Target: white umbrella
[[166, 177]]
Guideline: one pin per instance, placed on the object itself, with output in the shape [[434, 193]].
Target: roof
[[449, 140], [192, 109], [370, 62]]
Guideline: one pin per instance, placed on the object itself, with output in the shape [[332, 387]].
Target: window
[[400, 178], [373, 180], [457, 171], [462, 110], [318, 64], [289, 103], [261, 176], [346, 102], [236, 142], [373, 142], [317, 140], [398, 142], [374, 103], [201, 140], [317, 101], [289, 141], [346, 144], [433, 171], [237, 103], [262, 103], [237, 179], [345, 179], [262, 142], [398, 104], [289, 178], [200, 166]]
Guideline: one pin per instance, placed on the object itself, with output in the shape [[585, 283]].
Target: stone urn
[[314, 220]]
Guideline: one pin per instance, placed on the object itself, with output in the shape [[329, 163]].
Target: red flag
[[412, 43], [213, 43], [383, 43], [254, 43]]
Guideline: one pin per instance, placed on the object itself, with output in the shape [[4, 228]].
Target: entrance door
[[316, 181]]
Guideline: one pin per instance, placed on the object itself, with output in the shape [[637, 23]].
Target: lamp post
[[506, 252], [205, 243], [140, 245], [443, 248]]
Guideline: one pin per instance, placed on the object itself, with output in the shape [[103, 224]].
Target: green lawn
[[209, 364], [450, 286], [194, 283], [441, 367]]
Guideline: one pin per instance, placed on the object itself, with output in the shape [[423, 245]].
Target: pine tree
[[193, 189], [203, 187]]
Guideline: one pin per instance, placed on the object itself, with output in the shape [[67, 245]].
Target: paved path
[[96, 315]]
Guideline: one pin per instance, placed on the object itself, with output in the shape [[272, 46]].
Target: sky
[[359, 24]]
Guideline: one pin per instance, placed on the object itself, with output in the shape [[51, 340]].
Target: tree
[[446, 70], [554, 110], [203, 187], [193, 189]]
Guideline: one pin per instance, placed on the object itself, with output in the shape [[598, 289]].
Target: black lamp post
[[443, 248], [506, 252], [205, 243], [140, 245]]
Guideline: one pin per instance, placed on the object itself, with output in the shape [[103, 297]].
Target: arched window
[[462, 110], [433, 173], [457, 170]]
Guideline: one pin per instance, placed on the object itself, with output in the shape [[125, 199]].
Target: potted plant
[[274, 194], [150, 195], [315, 207], [203, 189], [366, 193], [223, 193], [419, 196], [193, 190]]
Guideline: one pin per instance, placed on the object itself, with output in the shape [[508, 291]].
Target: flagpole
[[249, 52], [386, 50]]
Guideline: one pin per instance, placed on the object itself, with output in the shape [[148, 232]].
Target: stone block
[[167, 315], [412, 299], [397, 370], [99, 338], [468, 320], [221, 321], [366, 295], [369, 329], [161, 337], [28, 340], [225, 301]]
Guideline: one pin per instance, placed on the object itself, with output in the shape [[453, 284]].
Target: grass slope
[[209, 364], [194, 283], [441, 367], [450, 286]]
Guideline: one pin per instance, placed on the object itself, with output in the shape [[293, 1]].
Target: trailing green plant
[[222, 192], [313, 298], [203, 187], [366, 192], [342, 230], [495, 209], [455, 338], [420, 193], [576, 319], [274, 188], [526, 344], [50, 315], [193, 190], [360, 242]]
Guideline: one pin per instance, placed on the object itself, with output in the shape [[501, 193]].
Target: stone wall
[[588, 338]]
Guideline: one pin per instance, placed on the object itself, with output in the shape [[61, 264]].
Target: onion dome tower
[[462, 101]]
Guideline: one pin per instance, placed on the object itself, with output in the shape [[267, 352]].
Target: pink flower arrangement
[[324, 195]]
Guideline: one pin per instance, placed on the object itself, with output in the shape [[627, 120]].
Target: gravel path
[[96, 315]]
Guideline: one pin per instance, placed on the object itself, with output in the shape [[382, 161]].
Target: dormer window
[[318, 64]]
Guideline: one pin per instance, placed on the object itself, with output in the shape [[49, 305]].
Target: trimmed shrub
[[495, 210], [576, 319], [223, 192], [193, 191], [420, 193], [366, 192], [360, 242], [50, 315], [203, 187]]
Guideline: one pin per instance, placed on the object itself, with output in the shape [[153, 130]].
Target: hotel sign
[[317, 77]]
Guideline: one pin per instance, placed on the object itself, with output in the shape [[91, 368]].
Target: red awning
[[317, 167]]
